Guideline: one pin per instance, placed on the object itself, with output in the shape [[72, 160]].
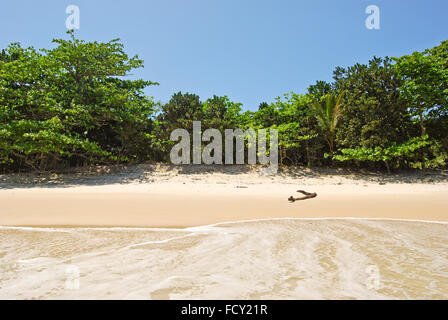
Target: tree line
[[73, 105]]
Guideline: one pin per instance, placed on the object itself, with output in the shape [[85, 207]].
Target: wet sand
[[271, 259]]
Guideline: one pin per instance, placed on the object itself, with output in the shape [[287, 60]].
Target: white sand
[[163, 198]]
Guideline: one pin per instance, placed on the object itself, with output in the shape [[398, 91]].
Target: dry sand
[[163, 196]]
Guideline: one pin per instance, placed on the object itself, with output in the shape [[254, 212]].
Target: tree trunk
[[423, 128], [330, 143], [387, 166], [422, 124], [308, 154]]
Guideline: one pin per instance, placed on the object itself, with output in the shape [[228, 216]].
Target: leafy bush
[[418, 152]]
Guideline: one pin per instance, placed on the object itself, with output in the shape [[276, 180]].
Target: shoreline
[[57, 228]]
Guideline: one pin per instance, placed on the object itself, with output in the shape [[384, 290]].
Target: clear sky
[[249, 50]]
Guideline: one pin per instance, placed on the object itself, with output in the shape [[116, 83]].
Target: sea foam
[[260, 259]]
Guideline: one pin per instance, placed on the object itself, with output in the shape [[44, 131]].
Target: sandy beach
[[157, 196], [158, 232]]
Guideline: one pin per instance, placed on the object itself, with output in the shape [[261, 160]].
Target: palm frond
[[327, 112]]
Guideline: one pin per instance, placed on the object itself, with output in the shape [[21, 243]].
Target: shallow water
[[269, 259]]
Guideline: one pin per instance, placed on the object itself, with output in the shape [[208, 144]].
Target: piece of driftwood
[[307, 195]]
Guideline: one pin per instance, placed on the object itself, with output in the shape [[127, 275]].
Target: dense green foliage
[[73, 105], [374, 112], [67, 106], [425, 83], [395, 155]]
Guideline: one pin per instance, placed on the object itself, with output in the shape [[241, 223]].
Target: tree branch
[[307, 195]]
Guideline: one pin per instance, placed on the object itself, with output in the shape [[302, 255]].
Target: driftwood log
[[307, 195]]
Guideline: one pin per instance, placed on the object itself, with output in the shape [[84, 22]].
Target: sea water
[[264, 259]]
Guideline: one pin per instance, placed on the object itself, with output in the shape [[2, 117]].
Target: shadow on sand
[[152, 173]]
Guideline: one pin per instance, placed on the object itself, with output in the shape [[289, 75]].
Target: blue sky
[[249, 50]]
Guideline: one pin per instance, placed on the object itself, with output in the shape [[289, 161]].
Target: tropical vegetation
[[74, 105]]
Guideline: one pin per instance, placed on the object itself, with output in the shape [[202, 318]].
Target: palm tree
[[328, 111]]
